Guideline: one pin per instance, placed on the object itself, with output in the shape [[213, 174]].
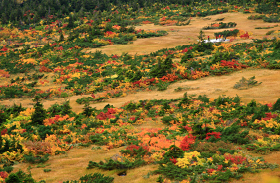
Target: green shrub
[[227, 33], [232, 134], [161, 69], [264, 27], [169, 120], [43, 131], [9, 145], [276, 106], [244, 83], [221, 26], [111, 164], [162, 85], [19, 177], [271, 19], [47, 170], [208, 149], [130, 107], [187, 56], [267, 8], [98, 139], [93, 178], [185, 100], [88, 110], [36, 159], [39, 114], [63, 95], [66, 108], [173, 152], [269, 32], [7, 169]]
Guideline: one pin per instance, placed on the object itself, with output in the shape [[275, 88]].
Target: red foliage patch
[[173, 160], [269, 116], [3, 175], [236, 159], [186, 142], [232, 64], [107, 115], [4, 131], [217, 135]]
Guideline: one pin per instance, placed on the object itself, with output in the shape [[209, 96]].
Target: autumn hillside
[[139, 91]]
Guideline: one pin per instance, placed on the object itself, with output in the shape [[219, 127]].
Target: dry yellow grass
[[72, 166], [182, 35], [213, 87]]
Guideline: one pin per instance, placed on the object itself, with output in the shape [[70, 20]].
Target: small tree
[[39, 114], [4, 18], [201, 37], [276, 106], [71, 22], [66, 108], [88, 110], [61, 38]]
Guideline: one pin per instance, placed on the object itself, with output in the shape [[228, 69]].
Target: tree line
[[20, 12]]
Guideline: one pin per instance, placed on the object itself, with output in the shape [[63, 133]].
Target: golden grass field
[[72, 165]]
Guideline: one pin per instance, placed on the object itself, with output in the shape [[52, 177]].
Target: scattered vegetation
[[244, 83]]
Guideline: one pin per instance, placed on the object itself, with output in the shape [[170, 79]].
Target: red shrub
[[3, 175], [236, 159], [4, 131], [134, 148], [217, 135], [107, 115], [269, 116], [186, 142]]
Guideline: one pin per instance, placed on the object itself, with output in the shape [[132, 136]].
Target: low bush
[[19, 177], [36, 159], [256, 17], [220, 25], [244, 83], [227, 33], [93, 178]]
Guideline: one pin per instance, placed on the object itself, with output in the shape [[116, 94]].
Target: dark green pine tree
[[4, 18], [71, 22], [39, 115], [201, 37], [66, 108], [276, 106], [13, 177], [88, 110], [61, 38], [3, 149]]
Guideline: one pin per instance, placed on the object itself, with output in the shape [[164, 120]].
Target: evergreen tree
[[71, 22], [36, 17], [88, 110], [12, 178], [201, 37], [61, 38], [4, 18], [161, 69], [276, 106], [39, 114], [66, 108]]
